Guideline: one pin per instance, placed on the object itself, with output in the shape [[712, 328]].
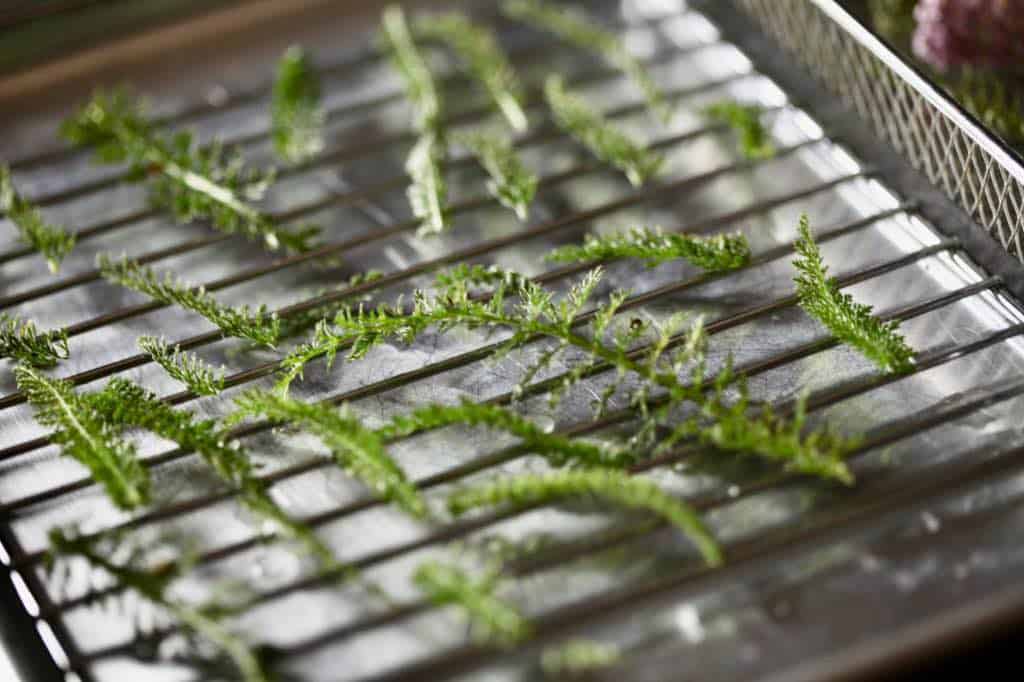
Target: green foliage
[[576, 117], [745, 119], [259, 325], [578, 657], [193, 182], [20, 340], [511, 183], [478, 49], [189, 369], [558, 450], [297, 118], [428, 192], [608, 485], [850, 322], [82, 433], [202, 621], [357, 449], [574, 27], [51, 241], [716, 253], [538, 314], [493, 619], [124, 404]]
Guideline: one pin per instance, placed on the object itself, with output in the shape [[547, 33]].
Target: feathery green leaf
[[716, 253], [51, 241], [576, 117], [189, 369], [297, 119], [609, 485], [539, 315], [21, 341], [258, 326], [193, 182], [493, 619], [745, 119], [511, 183], [478, 49], [128, 405], [201, 620], [85, 435], [428, 192], [850, 322], [357, 449], [574, 27], [558, 450]]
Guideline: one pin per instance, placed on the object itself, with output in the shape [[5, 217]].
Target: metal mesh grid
[[615, 578], [990, 189]]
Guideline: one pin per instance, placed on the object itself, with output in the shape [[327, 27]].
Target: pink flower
[[953, 33]]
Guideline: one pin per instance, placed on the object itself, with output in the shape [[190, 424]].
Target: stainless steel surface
[[814, 571]]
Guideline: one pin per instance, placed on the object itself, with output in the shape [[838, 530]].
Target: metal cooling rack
[[819, 581]]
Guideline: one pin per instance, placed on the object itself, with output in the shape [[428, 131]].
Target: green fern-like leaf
[[717, 253], [576, 117], [83, 434], [124, 404], [479, 51], [850, 322], [608, 485], [51, 241], [356, 449], [539, 314], [297, 118], [745, 119], [576, 28], [427, 191], [558, 450], [198, 376], [494, 620], [21, 341], [201, 620], [258, 326], [511, 183], [578, 657], [193, 182]]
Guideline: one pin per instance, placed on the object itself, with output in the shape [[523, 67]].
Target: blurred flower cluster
[[954, 33]]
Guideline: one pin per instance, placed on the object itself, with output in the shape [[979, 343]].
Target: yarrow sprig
[[558, 450], [540, 315], [493, 619], [297, 117], [428, 192], [124, 404], [745, 120], [85, 435], [850, 322], [51, 241], [192, 181], [716, 253], [356, 448], [573, 26], [201, 620], [189, 369], [478, 49], [20, 340], [609, 485], [511, 182], [577, 118], [257, 325]]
